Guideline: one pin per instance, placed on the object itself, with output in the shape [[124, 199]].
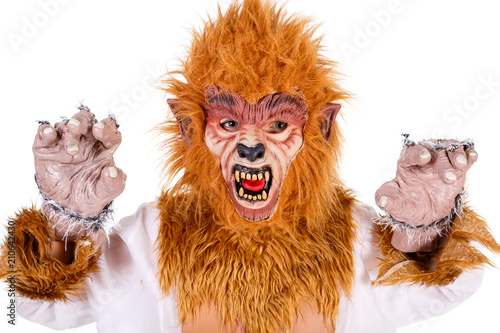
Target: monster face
[[255, 143]]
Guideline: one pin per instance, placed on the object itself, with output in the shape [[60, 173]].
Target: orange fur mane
[[255, 272]]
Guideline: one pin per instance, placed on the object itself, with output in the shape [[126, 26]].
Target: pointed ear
[[330, 112], [183, 122]]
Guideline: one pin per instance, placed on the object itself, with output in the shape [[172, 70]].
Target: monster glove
[[57, 247], [427, 222]]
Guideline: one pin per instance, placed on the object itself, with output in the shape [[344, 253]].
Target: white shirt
[[124, 295]]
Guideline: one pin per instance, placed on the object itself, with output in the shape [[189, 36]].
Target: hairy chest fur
[[257, 278]]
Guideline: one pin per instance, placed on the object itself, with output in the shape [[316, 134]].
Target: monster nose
[[251, 153]]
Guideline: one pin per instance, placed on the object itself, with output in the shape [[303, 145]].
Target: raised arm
[[57, 247], [427, 232]]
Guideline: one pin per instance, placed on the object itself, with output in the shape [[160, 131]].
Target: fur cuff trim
[[456, 256], [438, 144], [36, 276], [424, 232], [76, 223]]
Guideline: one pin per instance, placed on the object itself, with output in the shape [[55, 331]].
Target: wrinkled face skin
[[255, 144]]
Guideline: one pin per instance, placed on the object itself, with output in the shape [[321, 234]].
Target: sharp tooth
[[254, 177], [260, 176], [249, 176], [241, 192], [237, 176], [254, 198], [267, 176], [245, 196], [264, 195], [259, 197]]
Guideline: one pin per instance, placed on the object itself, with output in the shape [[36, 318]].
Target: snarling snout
[[255, 144], [252, 184]]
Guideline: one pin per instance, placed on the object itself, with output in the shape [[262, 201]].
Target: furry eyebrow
[[282, 106], [277, 106], [226, 105], [223, 99], [278, 99]]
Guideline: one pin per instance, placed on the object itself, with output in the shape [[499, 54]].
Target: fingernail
[[461, 159], [473, 154], [113, 172], [424, 153], [72, 146], [382, 201], [450, 175], [48, 130], [74, 121], [100, 125]]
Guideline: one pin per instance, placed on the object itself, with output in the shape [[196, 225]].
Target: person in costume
[[259, 234]]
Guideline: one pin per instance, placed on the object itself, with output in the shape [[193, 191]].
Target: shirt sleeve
[[123, 284], [408, 302], [56, 315]]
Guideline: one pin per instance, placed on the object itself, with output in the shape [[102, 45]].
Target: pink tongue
[[253, 185]]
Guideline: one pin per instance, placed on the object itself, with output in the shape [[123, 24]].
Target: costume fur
[[457, 255], [255, 273], [36, 276], [210, 253]]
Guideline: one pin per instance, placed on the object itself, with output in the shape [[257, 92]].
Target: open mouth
[[252, 184]]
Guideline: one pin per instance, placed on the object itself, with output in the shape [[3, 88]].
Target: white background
[[419, 69]]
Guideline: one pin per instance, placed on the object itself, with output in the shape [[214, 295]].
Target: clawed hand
[[74, 163], [430, 175]]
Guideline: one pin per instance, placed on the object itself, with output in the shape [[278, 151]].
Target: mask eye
[[277, 127], [230, 125]]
